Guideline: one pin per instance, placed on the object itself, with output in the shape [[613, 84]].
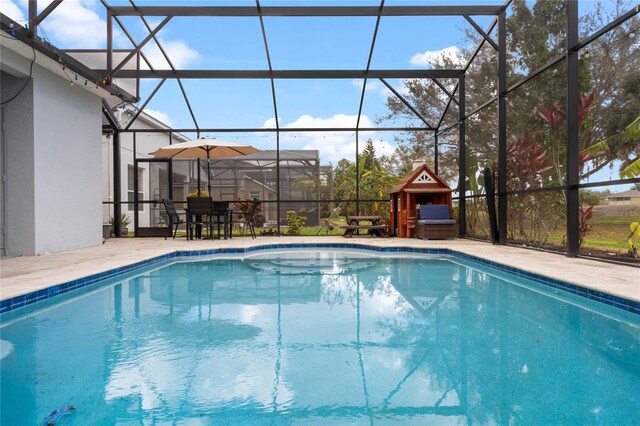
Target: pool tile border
[[58, 289]]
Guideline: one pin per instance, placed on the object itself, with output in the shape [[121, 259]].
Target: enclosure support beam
[[166, 57], [46, 12], [462, 162], [286, 74], [300, 11], [407, 104], [357, 174], [115, 127], [109, 44], [135, 117], [133, 42], [473, 56], [131, 39], [113, 121], [364, 83], [275, 113], [435, 152], [43, 48], [139, 46], [362, 95], [502, 128], [613, 24], [446, 92], [278, 197], [33, 17], [573, 173], [481, 32], [117, 196], [288, 129]]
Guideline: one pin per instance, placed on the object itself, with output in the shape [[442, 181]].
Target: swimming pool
[[305, 336]]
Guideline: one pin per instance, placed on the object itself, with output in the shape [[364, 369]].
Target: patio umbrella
[[204, 147]]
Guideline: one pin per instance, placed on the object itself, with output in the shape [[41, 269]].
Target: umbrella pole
[[198, 177], [208, 174]]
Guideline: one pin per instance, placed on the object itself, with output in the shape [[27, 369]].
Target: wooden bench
[[380, 230]]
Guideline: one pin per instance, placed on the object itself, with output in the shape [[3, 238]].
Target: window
[[254, 194], [130, 188]]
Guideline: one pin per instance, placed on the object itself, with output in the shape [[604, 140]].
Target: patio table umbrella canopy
[[205, 147]]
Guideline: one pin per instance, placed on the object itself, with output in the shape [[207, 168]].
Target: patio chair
[[435, 222], [247, 220], [174, 217], [221, 216], [200, 212]]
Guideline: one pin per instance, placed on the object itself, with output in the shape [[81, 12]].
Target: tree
[[613, 62], [369, 156], [609, 104], [372, 179]]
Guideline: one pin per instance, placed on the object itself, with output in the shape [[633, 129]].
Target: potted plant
[[124, 221], [106, 231], [203, 193]]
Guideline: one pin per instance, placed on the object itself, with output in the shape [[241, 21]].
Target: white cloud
[[373, 86], [75, 24], [12, 10], [333, 146], [336, 120], [178, 51], [383, 147], [160, 116], [270, 123], [428, 57]]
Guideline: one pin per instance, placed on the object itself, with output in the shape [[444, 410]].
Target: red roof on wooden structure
[[420, 180]]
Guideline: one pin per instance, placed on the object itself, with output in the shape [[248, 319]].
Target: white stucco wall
[[19, 184], [52, 143], [67, 160]]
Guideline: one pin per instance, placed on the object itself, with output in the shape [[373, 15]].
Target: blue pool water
[[312, 337]]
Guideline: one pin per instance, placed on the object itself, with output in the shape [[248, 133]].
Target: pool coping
[[26, 299]]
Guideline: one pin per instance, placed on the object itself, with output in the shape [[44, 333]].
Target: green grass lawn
[[609, 229], [604, 235]]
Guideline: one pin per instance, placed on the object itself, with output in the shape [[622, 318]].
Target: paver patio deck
[[25, 274]]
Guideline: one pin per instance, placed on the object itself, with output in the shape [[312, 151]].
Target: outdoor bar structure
[[453, 137]]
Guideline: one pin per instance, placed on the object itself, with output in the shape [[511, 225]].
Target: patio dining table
[[373, 224], [222, 215]]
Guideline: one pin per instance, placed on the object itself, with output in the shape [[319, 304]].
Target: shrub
[[634, 236], [243, 207], [295, 223], [124, 220], [584, 227]]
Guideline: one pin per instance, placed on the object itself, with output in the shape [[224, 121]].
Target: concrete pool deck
[[22, 275]]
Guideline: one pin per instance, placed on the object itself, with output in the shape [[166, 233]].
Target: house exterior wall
[[19, 198], [52, 134], [67, 157], [623, 201], [144, 144]]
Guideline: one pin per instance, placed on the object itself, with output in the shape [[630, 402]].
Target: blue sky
[[294, 43]]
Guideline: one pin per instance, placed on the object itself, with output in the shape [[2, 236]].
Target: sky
[[294, 43]]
